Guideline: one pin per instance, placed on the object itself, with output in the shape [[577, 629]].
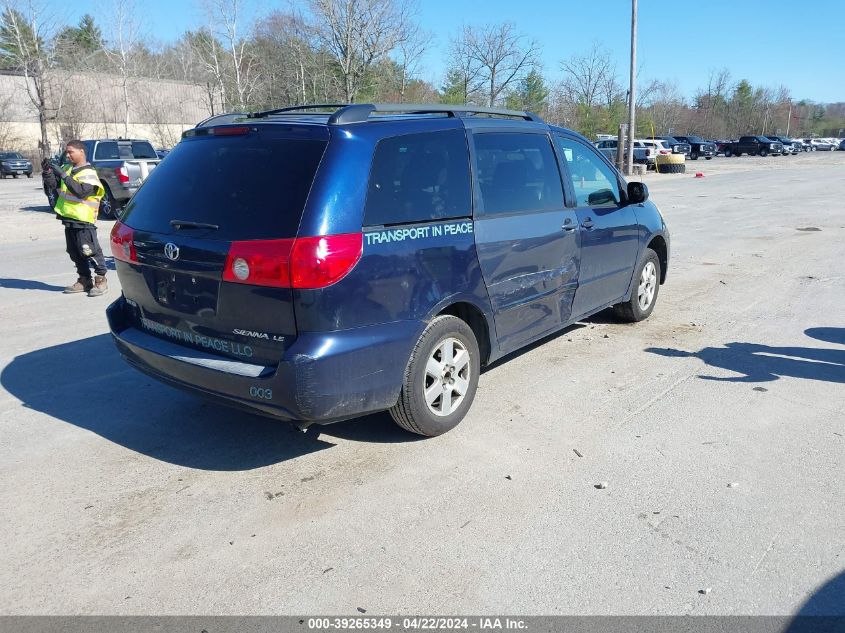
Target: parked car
[[724, 146], [642, 154], [820, 145], [677, 147], [396, 264], [842, 145], [161, 152], [14, 165], [790, 146], [698, 147], [755, 146], [122, 165]]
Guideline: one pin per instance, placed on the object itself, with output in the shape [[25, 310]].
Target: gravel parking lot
[[718, 425]]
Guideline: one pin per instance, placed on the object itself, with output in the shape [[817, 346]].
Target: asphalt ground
[[718, 426]]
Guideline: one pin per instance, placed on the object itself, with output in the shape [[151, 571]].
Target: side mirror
[[637, 192]]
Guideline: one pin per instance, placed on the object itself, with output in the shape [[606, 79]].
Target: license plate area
[[185, 292]]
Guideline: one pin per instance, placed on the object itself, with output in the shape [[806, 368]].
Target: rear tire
[[109, 207], [439, 385], [644, 293]]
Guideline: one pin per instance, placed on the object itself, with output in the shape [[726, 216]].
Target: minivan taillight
[[303, 262], [122, 242], [259, 263], [317, 262], [122, 174]]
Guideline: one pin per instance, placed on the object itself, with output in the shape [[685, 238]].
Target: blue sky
[[798, 44]]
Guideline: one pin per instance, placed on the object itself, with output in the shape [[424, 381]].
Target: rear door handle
[[587, 224]]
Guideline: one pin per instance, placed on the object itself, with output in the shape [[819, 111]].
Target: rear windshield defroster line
[[251, 187]]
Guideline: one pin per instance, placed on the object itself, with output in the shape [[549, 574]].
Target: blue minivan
[[317, 263]]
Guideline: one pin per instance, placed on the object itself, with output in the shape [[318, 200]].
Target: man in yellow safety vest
[[79, 192]]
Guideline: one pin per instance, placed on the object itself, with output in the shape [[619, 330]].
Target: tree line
[[344, 51]]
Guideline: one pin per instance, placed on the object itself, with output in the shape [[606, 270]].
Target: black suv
[[699, 147], [400, 249]]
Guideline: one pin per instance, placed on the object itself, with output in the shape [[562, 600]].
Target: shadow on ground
[[27, 284], [824, 611], [764, 363], [43, 208], [87, 384]]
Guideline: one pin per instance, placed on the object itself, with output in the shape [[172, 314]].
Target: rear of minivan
[[240, 262]]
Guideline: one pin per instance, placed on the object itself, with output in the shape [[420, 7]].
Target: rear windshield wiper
[[188, 224]]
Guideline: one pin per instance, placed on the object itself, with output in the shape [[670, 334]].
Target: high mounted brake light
[[303, 262], [230, 131]]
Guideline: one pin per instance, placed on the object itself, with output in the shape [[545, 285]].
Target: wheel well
[[475, 319], [658, 245]]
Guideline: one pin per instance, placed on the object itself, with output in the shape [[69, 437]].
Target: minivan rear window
[[250, 186]]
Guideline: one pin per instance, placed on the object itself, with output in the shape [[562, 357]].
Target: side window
[[418, 178], [594, 183], [106, 150], [517, 173]]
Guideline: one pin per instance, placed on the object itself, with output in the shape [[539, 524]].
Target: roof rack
[[295, 109], [360, 112]]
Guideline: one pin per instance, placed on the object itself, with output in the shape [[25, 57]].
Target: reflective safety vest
[[73, 208]]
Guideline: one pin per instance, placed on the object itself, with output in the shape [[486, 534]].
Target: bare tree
[[26, 39], [498, 56], [666, 106], [409, 52], [590, 76], [8, 138], [121, 53], [358, 34], [209, 54], [226, 15]]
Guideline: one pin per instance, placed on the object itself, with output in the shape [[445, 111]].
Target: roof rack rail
[[343, 113], [360, 112], [295, 109]]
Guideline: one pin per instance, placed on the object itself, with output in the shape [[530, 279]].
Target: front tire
[[644, 293], [693, 156], [441, 378]]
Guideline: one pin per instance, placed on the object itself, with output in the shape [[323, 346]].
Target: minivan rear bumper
[[322, 377]]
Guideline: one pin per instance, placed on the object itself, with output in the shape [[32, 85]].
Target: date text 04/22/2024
[[416, 623]]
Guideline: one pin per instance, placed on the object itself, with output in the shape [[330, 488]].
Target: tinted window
[[418, 178], [143, 149], [107, 150], [696, 139], [10, 155], [517, 172], [595, 184], [252, 187]]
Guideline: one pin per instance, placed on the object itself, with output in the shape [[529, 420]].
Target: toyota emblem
[[171, 251]]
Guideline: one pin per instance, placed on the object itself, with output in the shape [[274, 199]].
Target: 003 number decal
[[261, 392]]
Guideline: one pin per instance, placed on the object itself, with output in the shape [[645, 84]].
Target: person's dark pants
[[82, 246]]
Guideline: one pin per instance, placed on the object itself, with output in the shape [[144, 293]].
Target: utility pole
[[632, 93], [788, 119]]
